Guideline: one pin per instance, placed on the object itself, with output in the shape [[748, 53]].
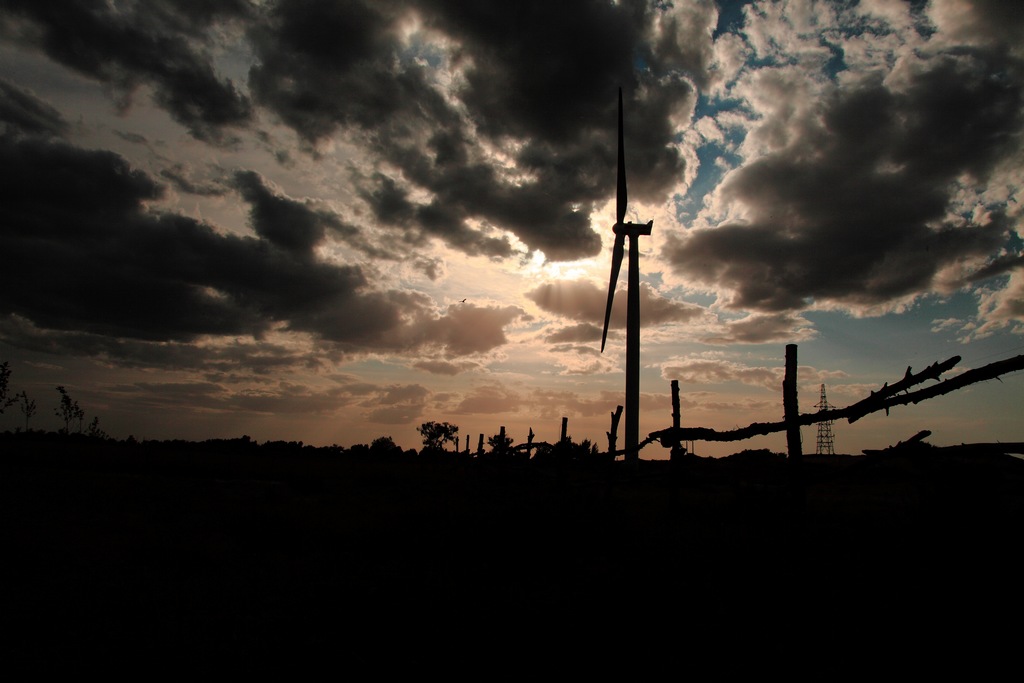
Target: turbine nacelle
[[630, 229]]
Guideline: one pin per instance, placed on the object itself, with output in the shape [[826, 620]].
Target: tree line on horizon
[[436, 435]]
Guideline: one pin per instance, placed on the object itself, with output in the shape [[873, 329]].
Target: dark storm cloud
[[389, 202], [999, 266], [324, 65], [84, 255], [127, 44], [991, 20], [540, 74], [444, 217], [24, 112], [856, 210], [298, 225], [540, 69], [284, 222], [237, 360], [548, 72]]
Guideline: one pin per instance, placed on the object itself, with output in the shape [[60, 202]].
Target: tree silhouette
[[385, 446], [68, 411], [5, 378], [437, 434], [27, 406], [94, 429]]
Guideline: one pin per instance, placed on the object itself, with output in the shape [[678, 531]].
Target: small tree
[[94, 429], [68, 411], [437, 434], [27, 406]]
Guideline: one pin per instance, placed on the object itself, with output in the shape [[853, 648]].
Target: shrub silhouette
[[68, 411], [501, 444]]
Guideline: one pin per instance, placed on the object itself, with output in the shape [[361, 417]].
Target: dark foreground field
[[183, 553]]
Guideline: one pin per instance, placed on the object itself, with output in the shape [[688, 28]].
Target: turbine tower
[[633, 231]]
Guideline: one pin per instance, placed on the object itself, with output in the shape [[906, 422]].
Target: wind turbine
[[633, 231]]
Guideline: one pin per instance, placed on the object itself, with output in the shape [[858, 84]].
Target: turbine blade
[[620, 197], [617, 250]]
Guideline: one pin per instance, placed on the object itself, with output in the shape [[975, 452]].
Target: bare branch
[[877, 399], [990, 371]]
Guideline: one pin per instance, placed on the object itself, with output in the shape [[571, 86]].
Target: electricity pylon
[[826, 440]]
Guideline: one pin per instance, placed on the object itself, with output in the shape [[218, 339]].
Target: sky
[[330, 221]]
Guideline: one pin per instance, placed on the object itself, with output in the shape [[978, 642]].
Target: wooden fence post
[[791, 407], [675, 403], [677, 450], [613, 434]]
